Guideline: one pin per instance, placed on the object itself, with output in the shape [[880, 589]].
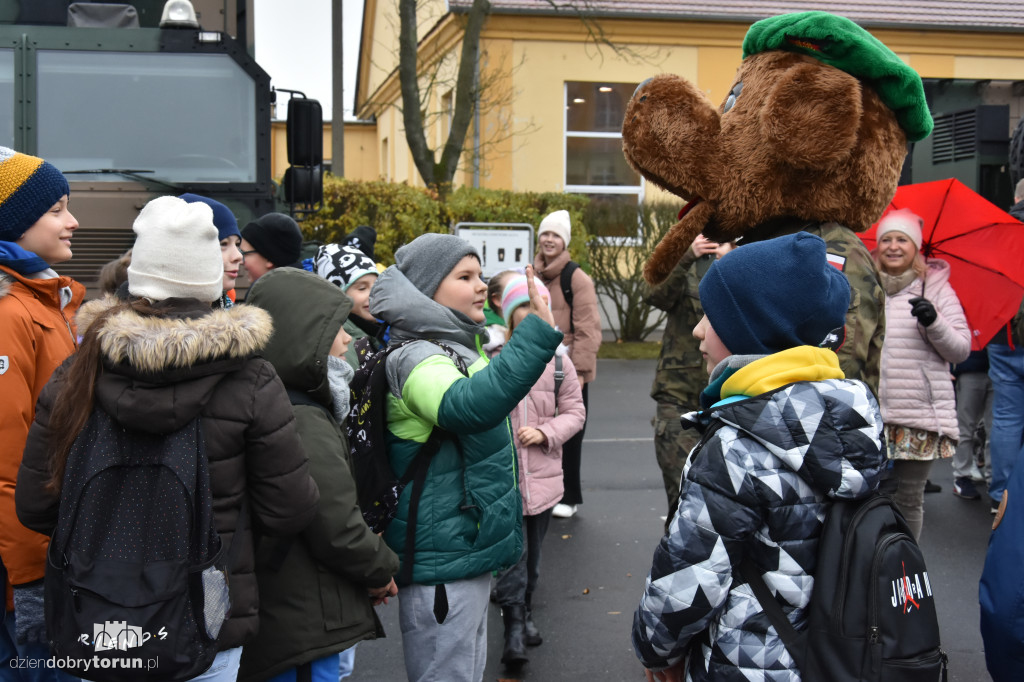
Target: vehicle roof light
[[178, 14]]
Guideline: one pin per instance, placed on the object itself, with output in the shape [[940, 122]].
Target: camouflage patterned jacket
[[680, 376], [861, 354]]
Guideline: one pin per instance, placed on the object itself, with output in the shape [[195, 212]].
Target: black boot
[[514, 654], [533, 637]]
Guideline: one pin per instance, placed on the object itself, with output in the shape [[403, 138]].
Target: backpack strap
[[565, 280], [559, 378], [790, 637], [416, 474]]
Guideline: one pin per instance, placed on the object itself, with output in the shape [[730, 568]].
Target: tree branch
[[408, 76], [466, 89]]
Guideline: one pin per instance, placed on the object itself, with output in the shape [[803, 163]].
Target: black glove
[[923, 310], [29, 618]]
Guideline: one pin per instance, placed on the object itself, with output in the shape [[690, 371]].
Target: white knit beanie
[[176, 252], [557, 222], [901, 220]]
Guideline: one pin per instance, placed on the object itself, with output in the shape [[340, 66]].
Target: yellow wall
[[537, 55], [361, 150]]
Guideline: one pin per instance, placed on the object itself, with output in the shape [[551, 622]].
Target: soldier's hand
[[702, 246]]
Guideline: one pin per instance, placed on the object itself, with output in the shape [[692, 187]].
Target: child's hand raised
[[538, 304]]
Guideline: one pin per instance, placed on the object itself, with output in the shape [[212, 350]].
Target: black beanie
[[276, 237], [363, 238]]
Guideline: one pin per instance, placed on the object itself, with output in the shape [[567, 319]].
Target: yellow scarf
[[803, 363]]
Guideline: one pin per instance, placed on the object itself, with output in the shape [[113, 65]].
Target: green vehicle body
[[129, 114]]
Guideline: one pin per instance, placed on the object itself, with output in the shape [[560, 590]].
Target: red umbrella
[[983, 245]]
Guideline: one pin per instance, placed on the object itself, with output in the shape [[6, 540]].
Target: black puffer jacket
[[314, 603], [158, 373]]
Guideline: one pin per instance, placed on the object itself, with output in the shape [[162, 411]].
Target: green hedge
[[400, 213]]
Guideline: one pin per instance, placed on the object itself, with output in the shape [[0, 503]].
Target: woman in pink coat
[[925, 331], [545, 419]]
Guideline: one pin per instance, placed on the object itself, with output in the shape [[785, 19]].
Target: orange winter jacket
[[36, 335]]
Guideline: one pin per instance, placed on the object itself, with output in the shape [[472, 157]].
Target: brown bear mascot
[[811, 137]]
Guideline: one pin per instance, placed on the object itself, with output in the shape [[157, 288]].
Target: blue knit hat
[[781, 293], [223, 218], [29, 187]]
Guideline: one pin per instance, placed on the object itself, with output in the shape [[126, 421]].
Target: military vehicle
[[136, 100]]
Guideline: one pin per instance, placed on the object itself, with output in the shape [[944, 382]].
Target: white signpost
[[502, 246]]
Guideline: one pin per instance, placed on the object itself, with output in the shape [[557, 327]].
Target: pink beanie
[[901, 220], [516, 294]]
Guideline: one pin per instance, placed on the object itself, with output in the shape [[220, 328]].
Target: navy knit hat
[[223, 218], [428, 259], [276, 237], [29, 187], [781, 293]]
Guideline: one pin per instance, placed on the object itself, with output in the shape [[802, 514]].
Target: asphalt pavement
[[595, 564]]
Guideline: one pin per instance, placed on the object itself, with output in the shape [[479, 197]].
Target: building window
[[594, 163], [385, 167]]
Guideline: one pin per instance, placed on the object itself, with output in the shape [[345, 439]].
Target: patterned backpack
[[136, 577], [378, 487]]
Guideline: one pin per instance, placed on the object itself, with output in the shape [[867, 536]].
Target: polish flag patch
[[838, 261]]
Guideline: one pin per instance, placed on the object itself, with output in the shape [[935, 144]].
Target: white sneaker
[[564, 511]]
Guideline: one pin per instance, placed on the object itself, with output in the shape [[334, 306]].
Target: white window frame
[[637, 190]]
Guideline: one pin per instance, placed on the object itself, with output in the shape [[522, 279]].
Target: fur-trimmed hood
[[159, 371], [187, 336]]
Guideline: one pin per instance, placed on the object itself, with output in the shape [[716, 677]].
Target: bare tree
[[436, 171]]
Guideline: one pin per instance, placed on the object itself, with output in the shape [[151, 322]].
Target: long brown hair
[[74, 401]]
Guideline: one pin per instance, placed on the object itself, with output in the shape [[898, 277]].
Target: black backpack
[[872, 613], [378, 487], [136, 578], [565, 281]]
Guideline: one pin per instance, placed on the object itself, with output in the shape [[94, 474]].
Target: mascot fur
[[811, 137]]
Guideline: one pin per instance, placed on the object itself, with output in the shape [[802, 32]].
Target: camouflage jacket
[[861, 354], [680, 376]]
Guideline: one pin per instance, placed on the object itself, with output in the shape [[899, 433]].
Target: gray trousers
[[454, 650], [911, 475], [973, 408]]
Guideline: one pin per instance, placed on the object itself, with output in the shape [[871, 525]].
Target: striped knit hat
[[29, 186], [517, 293]]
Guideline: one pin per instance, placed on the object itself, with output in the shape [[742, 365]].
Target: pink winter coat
[[540, 466], [916, 388]]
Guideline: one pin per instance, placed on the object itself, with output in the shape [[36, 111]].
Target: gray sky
[[293, 45]]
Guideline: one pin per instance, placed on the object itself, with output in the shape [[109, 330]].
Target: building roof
[[949, 14]]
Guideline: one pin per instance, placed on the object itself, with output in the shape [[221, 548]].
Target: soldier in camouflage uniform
[[680, 376], [861, 353]]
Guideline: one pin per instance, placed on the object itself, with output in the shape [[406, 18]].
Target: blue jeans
[[1006, 369], [224, 667], [321, 670]]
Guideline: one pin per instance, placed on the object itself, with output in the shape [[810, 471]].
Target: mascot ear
[[811, 116]]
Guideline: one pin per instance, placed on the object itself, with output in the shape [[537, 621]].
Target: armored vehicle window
[[186, 117], [7, 98]]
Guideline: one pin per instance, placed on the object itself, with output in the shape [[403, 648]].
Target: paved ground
[[595, 564]]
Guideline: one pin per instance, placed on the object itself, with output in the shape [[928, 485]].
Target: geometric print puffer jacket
[[759, 487]]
